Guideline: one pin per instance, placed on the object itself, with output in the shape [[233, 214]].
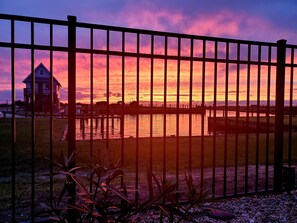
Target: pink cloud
[[222, 23], [140, 16]]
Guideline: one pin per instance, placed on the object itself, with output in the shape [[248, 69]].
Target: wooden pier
[[230, 126], [101, 120]]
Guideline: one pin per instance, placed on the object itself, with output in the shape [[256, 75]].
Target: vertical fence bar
[[107, 88], [164, 116], [51, 114], [91, 96], [177, 116], [247, 120], [122, 129], [258, 119], [151, 104], [214, 148], [203, 114], [122, 116], [33, 136], [13, 125], [279, 115], [191, 104], [165, 108], [226, 119], [71, 107], [237, 118], [137, 126], [268, 120], [91, 88]]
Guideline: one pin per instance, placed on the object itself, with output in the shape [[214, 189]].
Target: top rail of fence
[[133, 30], [33, 19], [138, 31]]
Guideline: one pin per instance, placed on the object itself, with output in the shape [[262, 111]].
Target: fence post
[[71, 108], [279, 115]]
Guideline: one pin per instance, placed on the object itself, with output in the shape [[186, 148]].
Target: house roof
[[44, 80]]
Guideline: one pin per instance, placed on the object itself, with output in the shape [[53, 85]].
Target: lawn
[[24, 143], [42, 147]]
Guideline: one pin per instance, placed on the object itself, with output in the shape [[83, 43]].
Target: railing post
[[279, 115], [71, 108]]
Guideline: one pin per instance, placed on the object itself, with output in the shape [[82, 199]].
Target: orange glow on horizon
[[115, 72]]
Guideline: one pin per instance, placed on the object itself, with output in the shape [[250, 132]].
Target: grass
[[23, 158], [184, 155], [24, 143], [24, 148]]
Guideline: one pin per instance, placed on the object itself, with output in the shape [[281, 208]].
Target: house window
[[41, 72], [48, 86]]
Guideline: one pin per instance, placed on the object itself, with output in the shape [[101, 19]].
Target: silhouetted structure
[[42, 90]]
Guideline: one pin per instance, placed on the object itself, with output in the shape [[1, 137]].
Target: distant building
[[42, 90]]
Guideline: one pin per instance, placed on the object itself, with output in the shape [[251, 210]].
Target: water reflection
[[113, 130]]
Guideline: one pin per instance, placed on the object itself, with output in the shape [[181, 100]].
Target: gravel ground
[[258, 208]]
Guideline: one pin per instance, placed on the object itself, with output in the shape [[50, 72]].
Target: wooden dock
[[230, 126], [101, 119]]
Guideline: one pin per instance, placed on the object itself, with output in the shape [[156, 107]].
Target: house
[[42, 90]]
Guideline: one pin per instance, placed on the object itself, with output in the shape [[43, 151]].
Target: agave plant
[[101, 195], [99, 203]]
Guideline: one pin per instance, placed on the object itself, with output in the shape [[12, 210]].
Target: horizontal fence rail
[[222, 111]]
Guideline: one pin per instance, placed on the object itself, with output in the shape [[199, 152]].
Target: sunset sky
[[267, 20]]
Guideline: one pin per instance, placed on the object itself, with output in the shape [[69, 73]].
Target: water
[[83, 131]]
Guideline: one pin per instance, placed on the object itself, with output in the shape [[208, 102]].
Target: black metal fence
[[241, 94]]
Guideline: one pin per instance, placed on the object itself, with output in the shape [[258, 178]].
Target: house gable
[[42, 74]]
